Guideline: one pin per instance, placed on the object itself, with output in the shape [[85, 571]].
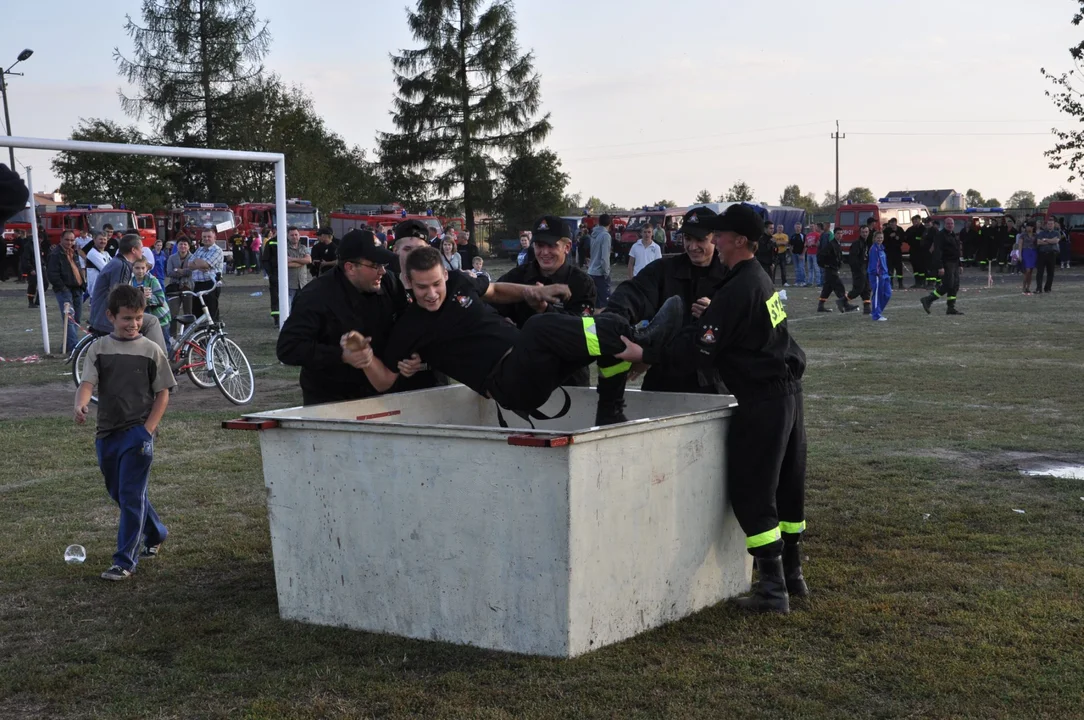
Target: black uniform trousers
[[273, 293], [895, 265], [550, 348], [859, 286], [832, 284], [210, 299], [1044, 265], [766, 462], [949, 283], [918, 265]]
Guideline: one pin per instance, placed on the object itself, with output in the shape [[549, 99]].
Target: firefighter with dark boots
[[1006, 238], [692, 276], [858, 259], [237, 250], [945, 265], [830, 258], [913, 238], [29, 269], [270, 262], [742, 339], [929, 239], [894, 251], [552, 265], [455, 331]]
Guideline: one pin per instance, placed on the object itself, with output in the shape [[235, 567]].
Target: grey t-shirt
[[128, 374]]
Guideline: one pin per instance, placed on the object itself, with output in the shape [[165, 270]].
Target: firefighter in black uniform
[[765, 252], [929, 239], [358, 294], [913, 238], [894, 251], [270, 262], [1006, 238], [858, 258], [692, 276], [237, 249], [551, 265], [830, 258], [945, 265], [742, 338], [453, 328]]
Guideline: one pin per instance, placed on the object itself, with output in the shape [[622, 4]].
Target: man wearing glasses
[[357, 294]]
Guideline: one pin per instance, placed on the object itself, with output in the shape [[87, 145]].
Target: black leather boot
[[770, 591], [792, 570], [610, 412], [822, 308]]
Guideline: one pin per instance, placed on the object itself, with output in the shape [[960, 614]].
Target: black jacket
[[60, 273], [830, 254], [946, 249], [322, 312], [579, 282], [640, 298], [913, 238], [858, 256], [893, 240], [766, 249], [13, 194], [742, 338]]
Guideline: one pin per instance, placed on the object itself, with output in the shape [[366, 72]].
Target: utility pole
[[837, 137]]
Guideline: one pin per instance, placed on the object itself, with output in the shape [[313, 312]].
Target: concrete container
[[425, 519]]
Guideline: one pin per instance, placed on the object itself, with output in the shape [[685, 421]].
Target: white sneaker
[[786, 284], [882, 319]]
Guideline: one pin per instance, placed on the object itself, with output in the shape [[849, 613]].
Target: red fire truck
[[20, 221], [850, 217], [148, 230], [300, 214], [81, 218], [1072, 211], [369, 216], [190, 219], [668, 218]]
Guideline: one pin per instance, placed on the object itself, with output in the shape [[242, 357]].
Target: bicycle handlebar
[[201, 293]]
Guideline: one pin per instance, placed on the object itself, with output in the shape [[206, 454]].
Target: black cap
[[548, 230], [742, 219], [326, 230], [362, 245], [699, 222], [412, 228]]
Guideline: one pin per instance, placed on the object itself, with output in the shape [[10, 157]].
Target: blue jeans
[[75, 299], [799, 269], [813, 270], [602, 289], [125, 460]]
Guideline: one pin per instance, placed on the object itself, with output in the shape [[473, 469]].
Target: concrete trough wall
[[427, 521]]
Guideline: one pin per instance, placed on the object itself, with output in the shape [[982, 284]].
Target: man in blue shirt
[[119, 272]]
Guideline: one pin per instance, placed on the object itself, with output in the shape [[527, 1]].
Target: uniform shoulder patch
[[464, 300], [775, 310], [708, 336]]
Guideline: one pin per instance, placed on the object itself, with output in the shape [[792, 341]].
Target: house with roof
[[935, 200]]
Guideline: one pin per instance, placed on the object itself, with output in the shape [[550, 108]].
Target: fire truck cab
[[668, 218], [148, 230], [1072, 211], [300, 214], [19, 221], [850, 217], [80, 218], [191, 218]]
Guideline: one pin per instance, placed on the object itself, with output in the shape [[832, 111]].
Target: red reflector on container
[[539, 440], [246, 424], [377, 416]]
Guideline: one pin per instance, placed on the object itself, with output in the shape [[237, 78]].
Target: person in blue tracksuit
[[880, 278]]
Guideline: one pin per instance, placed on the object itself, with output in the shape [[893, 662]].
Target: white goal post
[[160, 151]]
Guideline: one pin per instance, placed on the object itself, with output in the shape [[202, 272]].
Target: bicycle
[[193, 353]]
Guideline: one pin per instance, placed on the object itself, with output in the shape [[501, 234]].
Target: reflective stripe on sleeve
[[792, 528], [764, 538], [609, 372], [590, 332]]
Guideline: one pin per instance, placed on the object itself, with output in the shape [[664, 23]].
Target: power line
[[678, 151], [952, 134], [695, 137]]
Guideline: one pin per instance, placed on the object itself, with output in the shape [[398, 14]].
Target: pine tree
[[192, 60], [466, 98]]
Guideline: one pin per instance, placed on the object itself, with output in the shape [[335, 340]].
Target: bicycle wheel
[[79, 359], [195, 359], [231, 370]]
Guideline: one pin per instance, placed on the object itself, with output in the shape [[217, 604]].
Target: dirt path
[[55, 399]]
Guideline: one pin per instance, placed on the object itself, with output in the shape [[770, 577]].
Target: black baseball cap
[[548, 229], [699, 222], [362, 245], [741, 219], [326, 230], [412, 228]]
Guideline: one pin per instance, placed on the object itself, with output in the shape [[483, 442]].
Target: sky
[[653, 101]]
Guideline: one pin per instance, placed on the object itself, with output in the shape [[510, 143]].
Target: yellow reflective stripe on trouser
[[764, 538], [591, 333], [609, 372], [791, 528]]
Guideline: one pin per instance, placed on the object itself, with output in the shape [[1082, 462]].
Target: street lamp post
[[24, 55]]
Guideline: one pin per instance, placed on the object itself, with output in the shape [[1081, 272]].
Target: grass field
[[932, 597]]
